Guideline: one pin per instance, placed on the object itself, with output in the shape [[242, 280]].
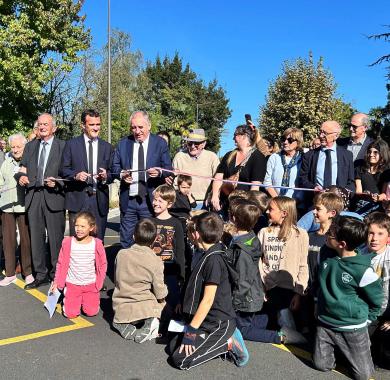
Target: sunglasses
[[354, 127], [190, 143], [290, 140]]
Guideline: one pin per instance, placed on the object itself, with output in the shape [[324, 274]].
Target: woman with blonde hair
[[283, 269]]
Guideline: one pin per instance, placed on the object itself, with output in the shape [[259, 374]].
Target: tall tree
[[126, 65], [302, 96], [178, 100], [38, 40]]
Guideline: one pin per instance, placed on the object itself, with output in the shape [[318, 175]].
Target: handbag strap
[[245, 160]]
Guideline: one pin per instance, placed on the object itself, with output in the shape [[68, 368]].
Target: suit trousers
[[91, 206], [9, 220], [42, 219], [137, 209]]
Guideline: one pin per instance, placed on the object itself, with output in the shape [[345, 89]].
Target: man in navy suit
[[44, 200], [329, 164], [134, 163], [86, 164]]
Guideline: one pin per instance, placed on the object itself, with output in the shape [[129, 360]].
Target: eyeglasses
[[374, 152], [290, 140], [354, 127], [322, 132], [196, 144]]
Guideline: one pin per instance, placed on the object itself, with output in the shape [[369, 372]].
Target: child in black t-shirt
[[169, 243], [211, 329]]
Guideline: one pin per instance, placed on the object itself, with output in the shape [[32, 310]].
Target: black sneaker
[[127, 330], [148, 331]]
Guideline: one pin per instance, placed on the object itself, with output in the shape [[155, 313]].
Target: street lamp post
[[109, 73]]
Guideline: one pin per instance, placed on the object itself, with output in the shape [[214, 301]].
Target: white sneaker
[[8, 280]]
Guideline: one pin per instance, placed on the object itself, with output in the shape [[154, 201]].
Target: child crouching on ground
[[211, 328], [139, 293], [244, 255], [81, 269], [349, 299]]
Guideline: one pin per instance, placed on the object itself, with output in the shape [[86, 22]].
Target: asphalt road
[[33, 346]]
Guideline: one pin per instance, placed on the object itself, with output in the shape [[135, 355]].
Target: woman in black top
[[370, 178], [245, 160]]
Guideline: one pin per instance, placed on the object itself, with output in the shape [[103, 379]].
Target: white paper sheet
[[51, 302], [176, 326]]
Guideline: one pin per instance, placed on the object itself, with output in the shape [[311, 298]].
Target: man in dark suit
[[328, 165], [358, 141], [140, 151], [86, 163], [44, 199]]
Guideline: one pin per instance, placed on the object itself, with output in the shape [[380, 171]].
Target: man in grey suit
[[44, 199], [358, 141]]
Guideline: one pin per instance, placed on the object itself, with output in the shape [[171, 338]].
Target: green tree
[[126, 66], [38, 40], [178, 100], [302, 96]]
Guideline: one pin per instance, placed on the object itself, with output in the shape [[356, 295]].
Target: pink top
[[63, 263]]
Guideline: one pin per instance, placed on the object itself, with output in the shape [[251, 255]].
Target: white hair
[[17, 136]]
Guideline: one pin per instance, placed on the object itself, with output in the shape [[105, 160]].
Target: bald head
[[329, 132]]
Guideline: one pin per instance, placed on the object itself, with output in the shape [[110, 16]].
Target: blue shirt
[[321, 165], [274, 175]]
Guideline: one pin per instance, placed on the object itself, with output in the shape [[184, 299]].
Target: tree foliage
[[302, 96], [178, 101], [39, 40], [126, 65]]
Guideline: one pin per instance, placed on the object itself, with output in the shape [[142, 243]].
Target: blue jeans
[[136, 209], [253, 326]]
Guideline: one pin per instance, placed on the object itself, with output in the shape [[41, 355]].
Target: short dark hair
[[89, 112], [380, 219], [145, 232], [90, 218], [166, 134], [350, 230], [184, 178], [246, 213], [210, 227]]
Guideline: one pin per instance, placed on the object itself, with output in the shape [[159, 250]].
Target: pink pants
[[77, 296]]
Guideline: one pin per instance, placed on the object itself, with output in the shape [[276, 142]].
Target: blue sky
[[243, 43]]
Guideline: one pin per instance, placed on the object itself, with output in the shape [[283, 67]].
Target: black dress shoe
[[37, 283]]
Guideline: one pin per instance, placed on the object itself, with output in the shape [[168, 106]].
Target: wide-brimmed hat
[[196, 135]]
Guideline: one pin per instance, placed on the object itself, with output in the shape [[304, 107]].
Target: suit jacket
[[360, 159], [157, 156], [345, 169], [54, 197], [74, 160]]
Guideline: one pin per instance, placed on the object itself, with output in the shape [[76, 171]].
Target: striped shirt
[[82, 263]]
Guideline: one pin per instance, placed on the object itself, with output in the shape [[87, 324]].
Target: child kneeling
[[81, 269], [139, 292], [207, 307]]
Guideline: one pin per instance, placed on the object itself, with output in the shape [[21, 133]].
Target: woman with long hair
[[370, 178]]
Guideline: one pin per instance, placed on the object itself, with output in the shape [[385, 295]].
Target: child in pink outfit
[[81, 269]]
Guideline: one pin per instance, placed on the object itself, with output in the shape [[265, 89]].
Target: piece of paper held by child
[[176, 326], [51, 302]]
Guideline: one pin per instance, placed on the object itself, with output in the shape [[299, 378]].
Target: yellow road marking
[[77, 323]]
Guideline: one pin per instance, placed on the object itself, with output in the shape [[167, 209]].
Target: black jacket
[[244, 255]]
